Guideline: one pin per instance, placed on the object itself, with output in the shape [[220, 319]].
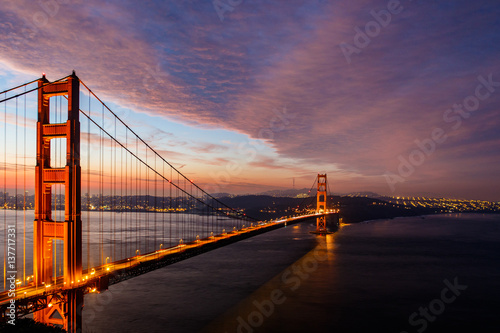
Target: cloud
[[207, 148], [178, 60]]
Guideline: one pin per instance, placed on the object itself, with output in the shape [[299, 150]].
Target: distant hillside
[[290, 193], [366, 194], [352, 209]]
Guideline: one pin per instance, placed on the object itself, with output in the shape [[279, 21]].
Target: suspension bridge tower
[[63, 309], [321, 207]]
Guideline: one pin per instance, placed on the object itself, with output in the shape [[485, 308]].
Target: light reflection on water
[[374, 277]]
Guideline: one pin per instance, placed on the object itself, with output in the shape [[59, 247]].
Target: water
[[367, 277], [109, 236]]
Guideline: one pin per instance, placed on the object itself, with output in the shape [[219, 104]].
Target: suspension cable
[[19, 86], [309, 198], [31, 90], [163, 177], [156, 153]]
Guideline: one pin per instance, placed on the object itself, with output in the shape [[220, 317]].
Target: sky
[[395, 97]]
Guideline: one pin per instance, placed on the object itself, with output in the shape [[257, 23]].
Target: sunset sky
[[398, 98]]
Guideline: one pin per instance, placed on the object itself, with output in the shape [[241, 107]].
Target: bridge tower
[[321, 204], [65, 308]]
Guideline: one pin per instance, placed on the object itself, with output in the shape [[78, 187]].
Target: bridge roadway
[[30, 298]]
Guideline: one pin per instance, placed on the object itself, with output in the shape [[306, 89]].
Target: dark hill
[[352, 209]]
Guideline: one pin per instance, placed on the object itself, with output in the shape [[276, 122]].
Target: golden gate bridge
[[138, 213]]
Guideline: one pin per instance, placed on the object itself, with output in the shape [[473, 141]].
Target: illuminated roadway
[[91, 278]]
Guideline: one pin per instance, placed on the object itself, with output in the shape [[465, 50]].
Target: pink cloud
[[242, 73]]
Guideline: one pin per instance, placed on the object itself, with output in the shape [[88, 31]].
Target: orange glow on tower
[[321, 203], [46, 230]]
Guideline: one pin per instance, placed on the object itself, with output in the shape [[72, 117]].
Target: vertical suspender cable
[[112, 198], [121, 204], [179, 202], [109, 220], [16, 167], [114, 211], [137, 175], [88, 187], [101, 254], [24, 196], [170, 211], [5, 194], [163, 205], [155, 208], [146, 206], [126, 194], [191, 213]]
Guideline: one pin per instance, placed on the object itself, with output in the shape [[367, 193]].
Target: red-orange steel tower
[[46, 230], [321, 204]]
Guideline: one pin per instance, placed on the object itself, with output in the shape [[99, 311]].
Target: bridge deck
[[30, 298]]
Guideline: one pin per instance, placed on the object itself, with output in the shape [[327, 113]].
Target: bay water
[[436, 273]]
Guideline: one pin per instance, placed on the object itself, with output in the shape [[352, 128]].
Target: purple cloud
[[355, 119]]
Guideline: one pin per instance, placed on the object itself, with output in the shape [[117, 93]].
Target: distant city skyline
[[396, 98]]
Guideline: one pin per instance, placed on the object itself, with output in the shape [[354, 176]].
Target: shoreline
[[423, 216]]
